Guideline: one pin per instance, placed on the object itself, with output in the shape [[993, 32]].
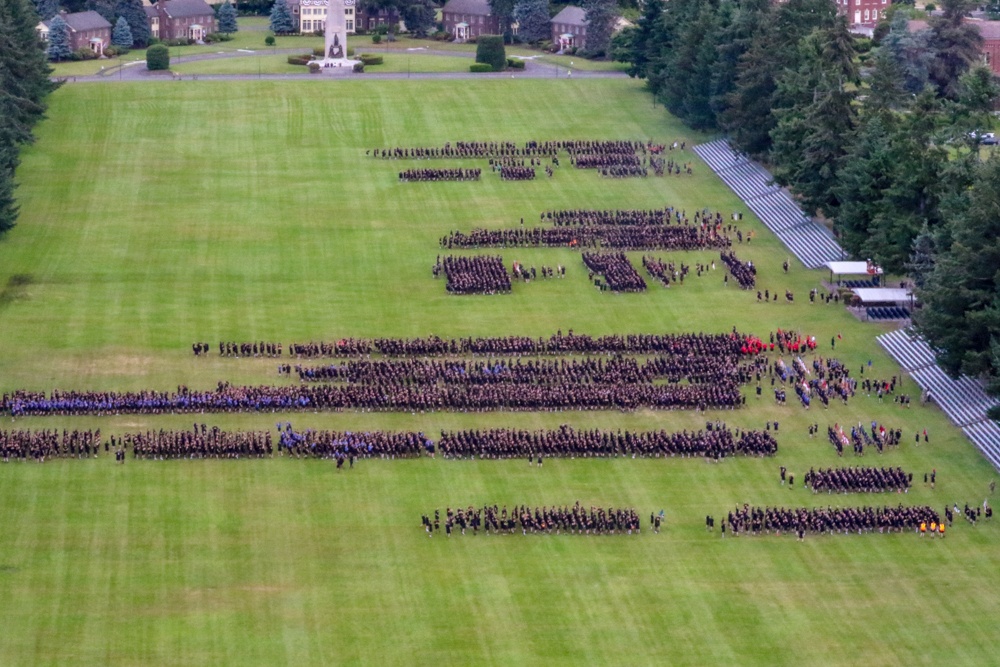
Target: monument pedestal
[[338, 62]]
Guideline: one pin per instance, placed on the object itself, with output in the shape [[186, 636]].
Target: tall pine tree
[[281, 22], [961, 313], [24, 85], [227, 18], [642, 40], [956, 45], [533, 20], [46, 9], [121, 36], [138, 23], [59, 45], [601, 18]]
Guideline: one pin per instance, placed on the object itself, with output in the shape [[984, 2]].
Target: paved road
[[138, 72]]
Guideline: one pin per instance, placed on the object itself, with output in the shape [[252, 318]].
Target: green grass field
[[248, 211], [267, 64]]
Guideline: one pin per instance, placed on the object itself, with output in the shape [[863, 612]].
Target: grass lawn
[[393, 62], [265, 64], [248, 211], [91, 67]]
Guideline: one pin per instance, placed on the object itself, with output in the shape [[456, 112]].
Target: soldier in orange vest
[[923, 528], [941, 529]]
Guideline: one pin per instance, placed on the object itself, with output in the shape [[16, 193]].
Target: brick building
[[862, 14], [87, 30], [310, 17], [182, 19], [569, 28], [466, 19]]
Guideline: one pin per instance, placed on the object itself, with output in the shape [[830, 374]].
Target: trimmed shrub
[[369, 59], [314, 67], [299, 60], [490, 51], [350, 52], [318, 52], [83, 54], [515, 64], [376, 38], [157, 57], [480, 67], [359, 68], [269, 40]]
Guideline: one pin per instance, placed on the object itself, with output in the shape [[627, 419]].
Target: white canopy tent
[[883, 295], [853, 268], [840, 269]]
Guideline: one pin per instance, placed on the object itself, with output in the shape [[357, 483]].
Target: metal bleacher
[[806, 238], [963, 400]]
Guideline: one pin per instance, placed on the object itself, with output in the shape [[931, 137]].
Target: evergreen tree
[[121, 36], [8, 204], [642, 39], [732, 43], [227, 18], [59, 45], [955, 44], [419, 17], [698, 110], [490, 51], [961, 313], [533, 20], [138, 23], [504, 11], [910, 51], [865, 174], [601, 18], [105, 8], [886, 84], [46, 9], [921, 263], [749, 116], [24, 84], [281, 22], [665, 34], [972, 112]]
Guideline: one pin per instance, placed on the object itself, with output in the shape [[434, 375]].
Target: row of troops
[[509, 149], [201, 442], [697, 343], [714, 442], [24, 445], [645, 237], [432, 175], [668, 215], [573, 520], [381, 397], [599, 370], [857, 479], [777, 520]]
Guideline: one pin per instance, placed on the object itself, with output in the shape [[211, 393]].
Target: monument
[[335, 42]]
